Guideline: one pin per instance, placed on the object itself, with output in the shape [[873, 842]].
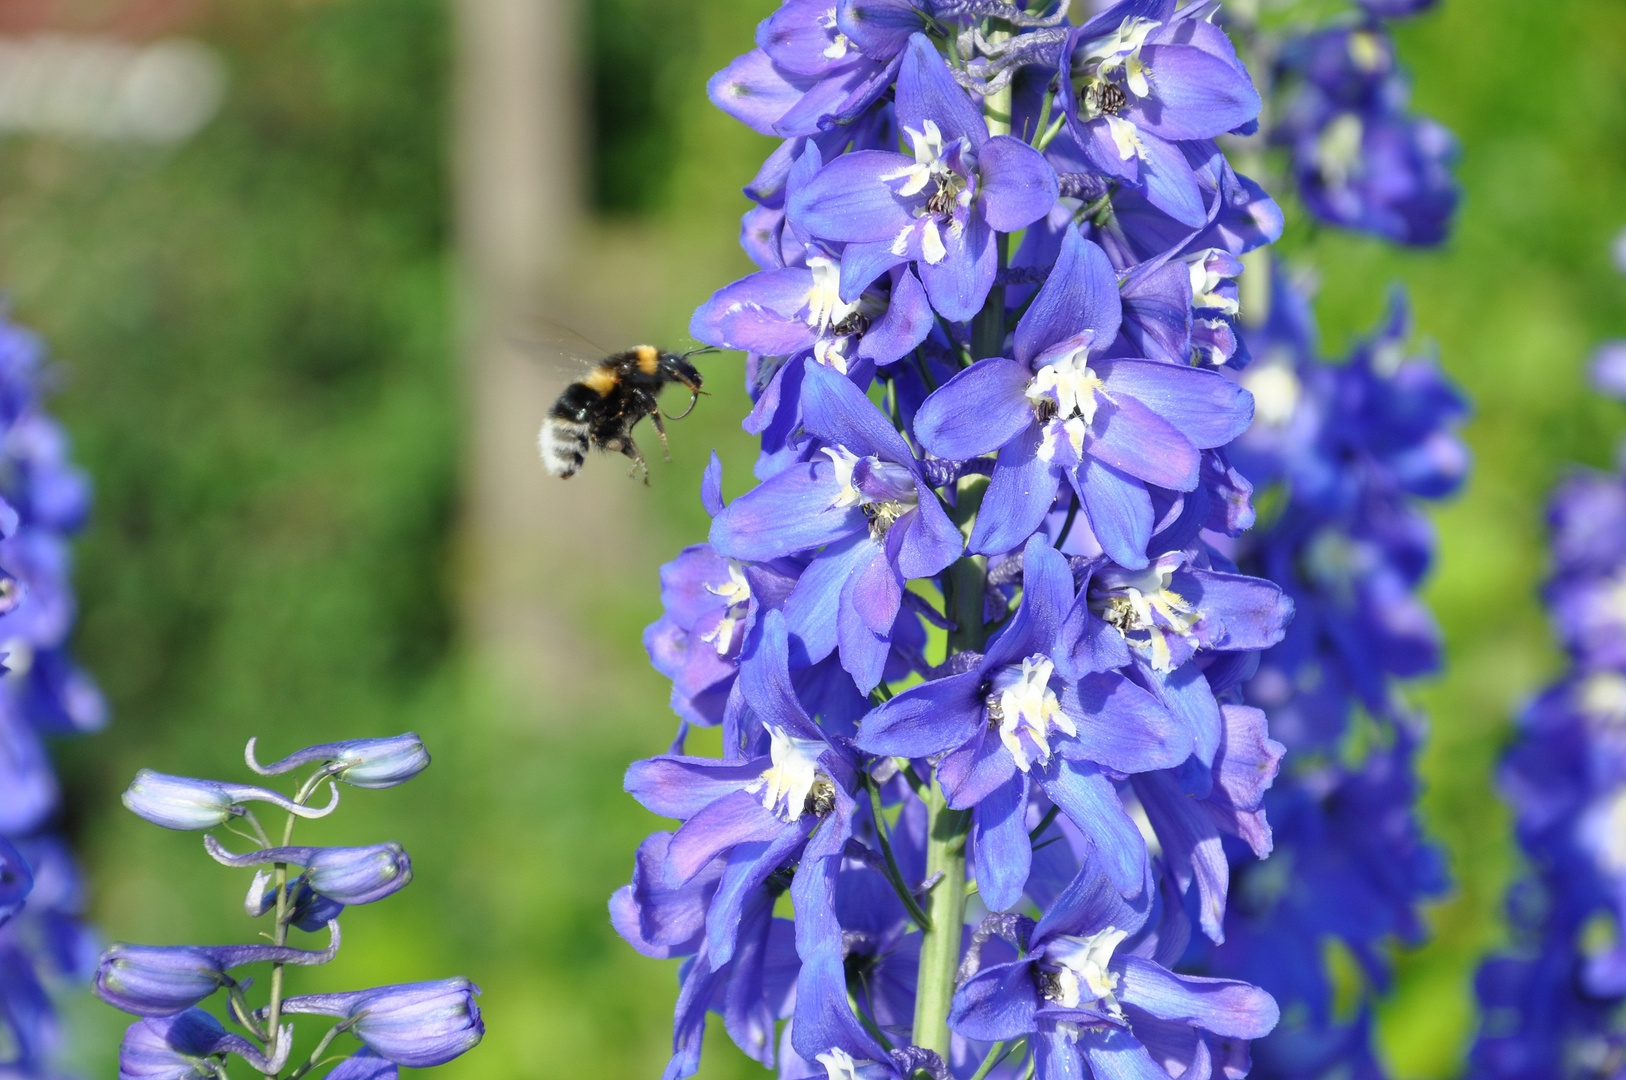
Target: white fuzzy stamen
[[845, 462], [787, 782], [1070, 383], [1027, 710], [1082, 977]]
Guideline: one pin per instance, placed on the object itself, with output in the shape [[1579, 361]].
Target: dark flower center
[[821, 797], [1110, 98], [856, 323], [882, 516]]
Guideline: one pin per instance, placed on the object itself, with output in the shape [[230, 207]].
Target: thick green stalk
[[945, 842]]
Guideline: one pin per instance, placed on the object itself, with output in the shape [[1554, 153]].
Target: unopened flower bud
[[191, 1046], [161, 980], [182, 802], [151, 980], [364, 763], [358, 875], [413, 1024], [364, 1065]]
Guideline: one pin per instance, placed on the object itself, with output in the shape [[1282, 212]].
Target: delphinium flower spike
[[972, 640], [44, 500], [300, 887], [1551, 1004]]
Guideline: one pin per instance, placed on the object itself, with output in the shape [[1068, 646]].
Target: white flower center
[[736, 593], [1070, 386], [839, 45], [1609, 833], [1276, 390], [790, 786], [1205, 283], [1603, 698], [929, 164], [838, 1064], [1118, 51], [1142, 607], [1338, 150], [845, 461], [1367, 51], [1080, 975], [825, 307], [1021, 702]]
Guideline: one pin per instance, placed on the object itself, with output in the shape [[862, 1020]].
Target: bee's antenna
[[700, 350]]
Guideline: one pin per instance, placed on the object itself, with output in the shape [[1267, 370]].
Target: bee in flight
[[603, 407]]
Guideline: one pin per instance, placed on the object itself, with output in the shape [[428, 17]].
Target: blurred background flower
[[309, 269]]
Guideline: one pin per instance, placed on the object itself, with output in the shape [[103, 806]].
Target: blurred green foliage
[[255, 340]]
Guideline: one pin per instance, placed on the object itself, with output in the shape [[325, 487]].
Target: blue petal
[[926, 719], [959, 284], [1019, 495], [756, 92], [1195, 94], [1119, 508], [1171, 186], [758, 313], [978, 411], [907, 322], [1047, 593], [1122, 726], [929, 541], [1090, 800], [791, 512], [810, 610], [1094, 645], [867, 609], [1137, 442], [999, 1002], [879, 27], [1018, 186], [1191, 847], [1114, 1054], [927, 91], [765, 680], [976, 770], [1091, 903], [738, 818], [711, 486], [1080, 294], [680, 787], [1225, 1007], [838, 412], [1186, 692], [1204, 406], [848, 200], [1004, 853], [861, 264]]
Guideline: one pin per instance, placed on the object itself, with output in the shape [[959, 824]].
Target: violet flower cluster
[[1347, 453], [971, 643], [1359, 158], [44, 500], [1552, 1003], [301, 888]]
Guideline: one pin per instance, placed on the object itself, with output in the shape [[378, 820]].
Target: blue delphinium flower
[[1551, 1004], [1021, 447], [416, 1025], [1351, 450], [44, 500]]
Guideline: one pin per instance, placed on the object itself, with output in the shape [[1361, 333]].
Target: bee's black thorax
[[603, 407]]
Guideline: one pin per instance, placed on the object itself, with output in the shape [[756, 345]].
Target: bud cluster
[[304, 888]]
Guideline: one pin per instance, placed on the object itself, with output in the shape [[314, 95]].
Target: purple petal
[[1090, 800], [838, 412], [978, 411], [1225, 1007], [1056, 1056], [1122, 726], [1090, 903], [879, 27], [1171, 186], [959, 283], [1191, 846], [758, 313], [1114, 1054], [929, 540], [810, 610], [1204, 406], [848, 200], [791, 512], [976, 770], [861, 264], [926, 719], [1135, 440], [1119, 508], [1244, 768], [1187, 694], [907, 322], [1095, 646], [755, 92], [765, 681], [998, 1002], [737, 818], [1254, 612], [927, 91], [868, 607], [1019, 495], [680, 787], [1018, 185], [1080, 294], [1195, 94], [999, 834]]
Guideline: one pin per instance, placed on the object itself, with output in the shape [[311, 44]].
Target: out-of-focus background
[[299, 351]]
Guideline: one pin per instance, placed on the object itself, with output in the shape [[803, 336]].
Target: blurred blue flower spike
[[16, 881], [299, 887]]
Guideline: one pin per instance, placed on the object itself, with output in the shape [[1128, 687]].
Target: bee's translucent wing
[[556, 347]]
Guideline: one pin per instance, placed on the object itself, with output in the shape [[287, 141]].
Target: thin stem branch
[[893, 873]]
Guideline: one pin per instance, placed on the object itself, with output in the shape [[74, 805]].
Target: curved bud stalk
[[301, 888]]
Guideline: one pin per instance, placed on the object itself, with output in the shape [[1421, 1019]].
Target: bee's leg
[[660, 429], [630, 448]]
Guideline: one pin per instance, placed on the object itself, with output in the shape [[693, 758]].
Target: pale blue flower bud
[[161, 980], [349, 875], [181, 802], [191, 1046], [412, 1024], [364, 763]]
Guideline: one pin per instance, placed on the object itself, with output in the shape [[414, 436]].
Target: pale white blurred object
[[1619, 251], [102, 88]]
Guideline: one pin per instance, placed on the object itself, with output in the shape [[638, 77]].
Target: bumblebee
[[608, 402]]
